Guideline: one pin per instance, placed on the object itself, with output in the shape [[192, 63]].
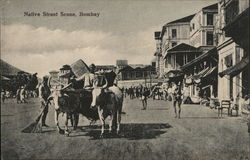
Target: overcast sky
[[123, 30]]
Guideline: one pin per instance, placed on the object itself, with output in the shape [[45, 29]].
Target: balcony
[[231, 10], [237, 22]]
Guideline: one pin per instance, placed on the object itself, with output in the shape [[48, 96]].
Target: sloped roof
[[149, 68], [182, 48], [144, 68], [7, 69], [127, 68], [182, 20], [212, 6]]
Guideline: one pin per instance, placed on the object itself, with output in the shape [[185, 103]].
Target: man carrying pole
[[44, 93]]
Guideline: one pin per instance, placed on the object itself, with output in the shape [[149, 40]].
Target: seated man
[[88, 78]]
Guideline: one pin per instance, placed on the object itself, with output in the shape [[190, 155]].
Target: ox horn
[[106, 83], [49, 82], [66, 86]]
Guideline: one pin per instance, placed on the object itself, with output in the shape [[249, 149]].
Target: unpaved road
[[145, 134]]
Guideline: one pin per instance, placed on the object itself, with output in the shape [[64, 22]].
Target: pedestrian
[[186, 95], [144, 98], [18, 95], [44, 93], [125, 92], [131, 92], [3, 96], [22, 95], [177, 100]]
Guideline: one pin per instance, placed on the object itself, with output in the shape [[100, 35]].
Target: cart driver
[[88, 78]]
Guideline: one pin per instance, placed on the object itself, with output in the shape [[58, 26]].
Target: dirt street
[[151, 134]]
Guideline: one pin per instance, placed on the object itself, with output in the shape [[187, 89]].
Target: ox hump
[[116, 90]]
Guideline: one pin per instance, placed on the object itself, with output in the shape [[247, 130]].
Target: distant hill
[[7, 69]]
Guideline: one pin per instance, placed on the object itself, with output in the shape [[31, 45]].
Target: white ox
[[109, 103], [64, 104]]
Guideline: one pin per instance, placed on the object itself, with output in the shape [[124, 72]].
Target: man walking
[[3, 95], [44, 92], [144, 98], [177, 100]]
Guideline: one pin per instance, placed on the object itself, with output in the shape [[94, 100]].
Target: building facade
[[232, 30], [173, 34], [130, 73], [202, 28], [158, 53]]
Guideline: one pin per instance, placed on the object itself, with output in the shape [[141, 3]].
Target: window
[[154, 64], [174, 44], [210, 20], [229, 60], [166, 64], [193, 26], [179, 59], [190, 57], [221, 64], [210, 38], [174, 33]]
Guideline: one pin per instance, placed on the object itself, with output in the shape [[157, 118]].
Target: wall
[[224, 82], [199, 29]]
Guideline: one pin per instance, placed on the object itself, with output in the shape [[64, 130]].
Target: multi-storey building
[[175, 40], [202, 28], [158, 53], [233, 49], [200, 72]]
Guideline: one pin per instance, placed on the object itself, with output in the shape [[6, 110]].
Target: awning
[[174, 76], [236, 69], [173, 73], [201, 73], [176, 79], [211, 52], [210, 71], [197, 78]]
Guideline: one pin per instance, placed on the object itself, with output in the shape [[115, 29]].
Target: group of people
[[134, 91], [171, 92]]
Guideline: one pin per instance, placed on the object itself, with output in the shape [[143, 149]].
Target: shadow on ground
[[130, 131], [8, 154]]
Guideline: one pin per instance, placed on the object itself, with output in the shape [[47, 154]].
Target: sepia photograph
[[125, 79]]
